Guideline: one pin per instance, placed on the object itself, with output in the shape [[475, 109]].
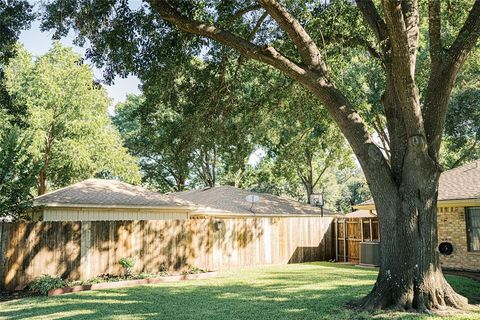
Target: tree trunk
[[42, 182], [410, 276], [308, 190]]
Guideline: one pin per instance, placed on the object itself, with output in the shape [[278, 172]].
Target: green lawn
[[296, 291]]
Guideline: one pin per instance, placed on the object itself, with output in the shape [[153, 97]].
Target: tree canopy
[[66, 117]]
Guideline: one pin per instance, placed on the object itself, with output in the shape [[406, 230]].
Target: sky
[[38, 43]]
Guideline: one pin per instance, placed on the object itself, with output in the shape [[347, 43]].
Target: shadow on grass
[[304, 291]]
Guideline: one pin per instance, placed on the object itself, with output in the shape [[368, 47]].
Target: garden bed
[[130, 283]]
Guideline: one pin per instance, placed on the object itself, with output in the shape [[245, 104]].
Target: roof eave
[[107, 206], [472, 202]]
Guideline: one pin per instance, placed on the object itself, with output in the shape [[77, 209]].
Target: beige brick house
[[458, 216]]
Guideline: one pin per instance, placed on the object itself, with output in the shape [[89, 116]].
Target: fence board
[[81, 250]]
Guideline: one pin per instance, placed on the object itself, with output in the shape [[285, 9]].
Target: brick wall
[[452, 228]]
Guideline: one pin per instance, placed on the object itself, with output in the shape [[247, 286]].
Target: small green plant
[[193, 270], [127, 264], [45, 283]]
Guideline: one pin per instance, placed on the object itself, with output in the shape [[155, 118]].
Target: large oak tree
[[404, 185]]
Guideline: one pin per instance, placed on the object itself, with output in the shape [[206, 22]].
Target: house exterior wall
[[452, 227], [107, 214]]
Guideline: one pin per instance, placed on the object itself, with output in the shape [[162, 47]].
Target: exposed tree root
[[434, 294]]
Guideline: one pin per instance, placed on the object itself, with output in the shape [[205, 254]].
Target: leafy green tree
[[72, 137], [310, 42], [158, 140], [304, 142], [17, 173], [15, 16]]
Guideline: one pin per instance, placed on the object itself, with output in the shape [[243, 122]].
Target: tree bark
[[410, 276], [42, 182]]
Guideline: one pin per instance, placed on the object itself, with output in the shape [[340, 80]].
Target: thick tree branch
[[467, 37], [267, 54], [306, 46], [441, 81], [434, 27], [373, 18], [403, 65], [244, 11], [412, 19]]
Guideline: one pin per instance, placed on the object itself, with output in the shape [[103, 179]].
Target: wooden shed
[[352, 229]]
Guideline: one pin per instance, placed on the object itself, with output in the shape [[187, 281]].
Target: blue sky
[[38, 42]]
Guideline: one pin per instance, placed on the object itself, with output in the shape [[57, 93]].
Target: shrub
[[127, 264], [193, 270], [45, 283]]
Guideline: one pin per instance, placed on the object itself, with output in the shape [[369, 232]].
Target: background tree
[[462, 129], [285, 35], [66, 116], [304, 143], [17, 172], [15, 16], [158, 139], [16, 180]]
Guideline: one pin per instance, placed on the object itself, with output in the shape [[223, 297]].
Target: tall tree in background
[[303, 141], [17, 173], [16, 177], [285, 35], [66, 115], [159, 140], [15, 16]]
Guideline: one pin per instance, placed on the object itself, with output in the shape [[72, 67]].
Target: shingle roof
[[100, 192], [460, 183], [232, 200]]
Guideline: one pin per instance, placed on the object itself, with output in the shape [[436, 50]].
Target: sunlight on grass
[[296, 291]]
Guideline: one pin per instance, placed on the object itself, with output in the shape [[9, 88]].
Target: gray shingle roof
[[232, 200], [460, 183], [100, 192]]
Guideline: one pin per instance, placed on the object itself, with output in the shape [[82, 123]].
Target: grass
[[296, 291]]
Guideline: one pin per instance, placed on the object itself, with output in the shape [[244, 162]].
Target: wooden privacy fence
[[81, 250]]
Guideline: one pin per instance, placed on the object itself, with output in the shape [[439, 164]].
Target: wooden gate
[[349, 232]]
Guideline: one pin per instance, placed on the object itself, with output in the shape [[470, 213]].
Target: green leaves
[[17, 173], [66, 116]]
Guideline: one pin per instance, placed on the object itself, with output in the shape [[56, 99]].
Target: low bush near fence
[[45, 283]]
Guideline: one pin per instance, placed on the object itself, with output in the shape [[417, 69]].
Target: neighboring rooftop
[[103, 193], [232, 200], [462, 183]]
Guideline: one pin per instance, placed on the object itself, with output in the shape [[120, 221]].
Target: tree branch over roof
[[306, 46], [314, 79]]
